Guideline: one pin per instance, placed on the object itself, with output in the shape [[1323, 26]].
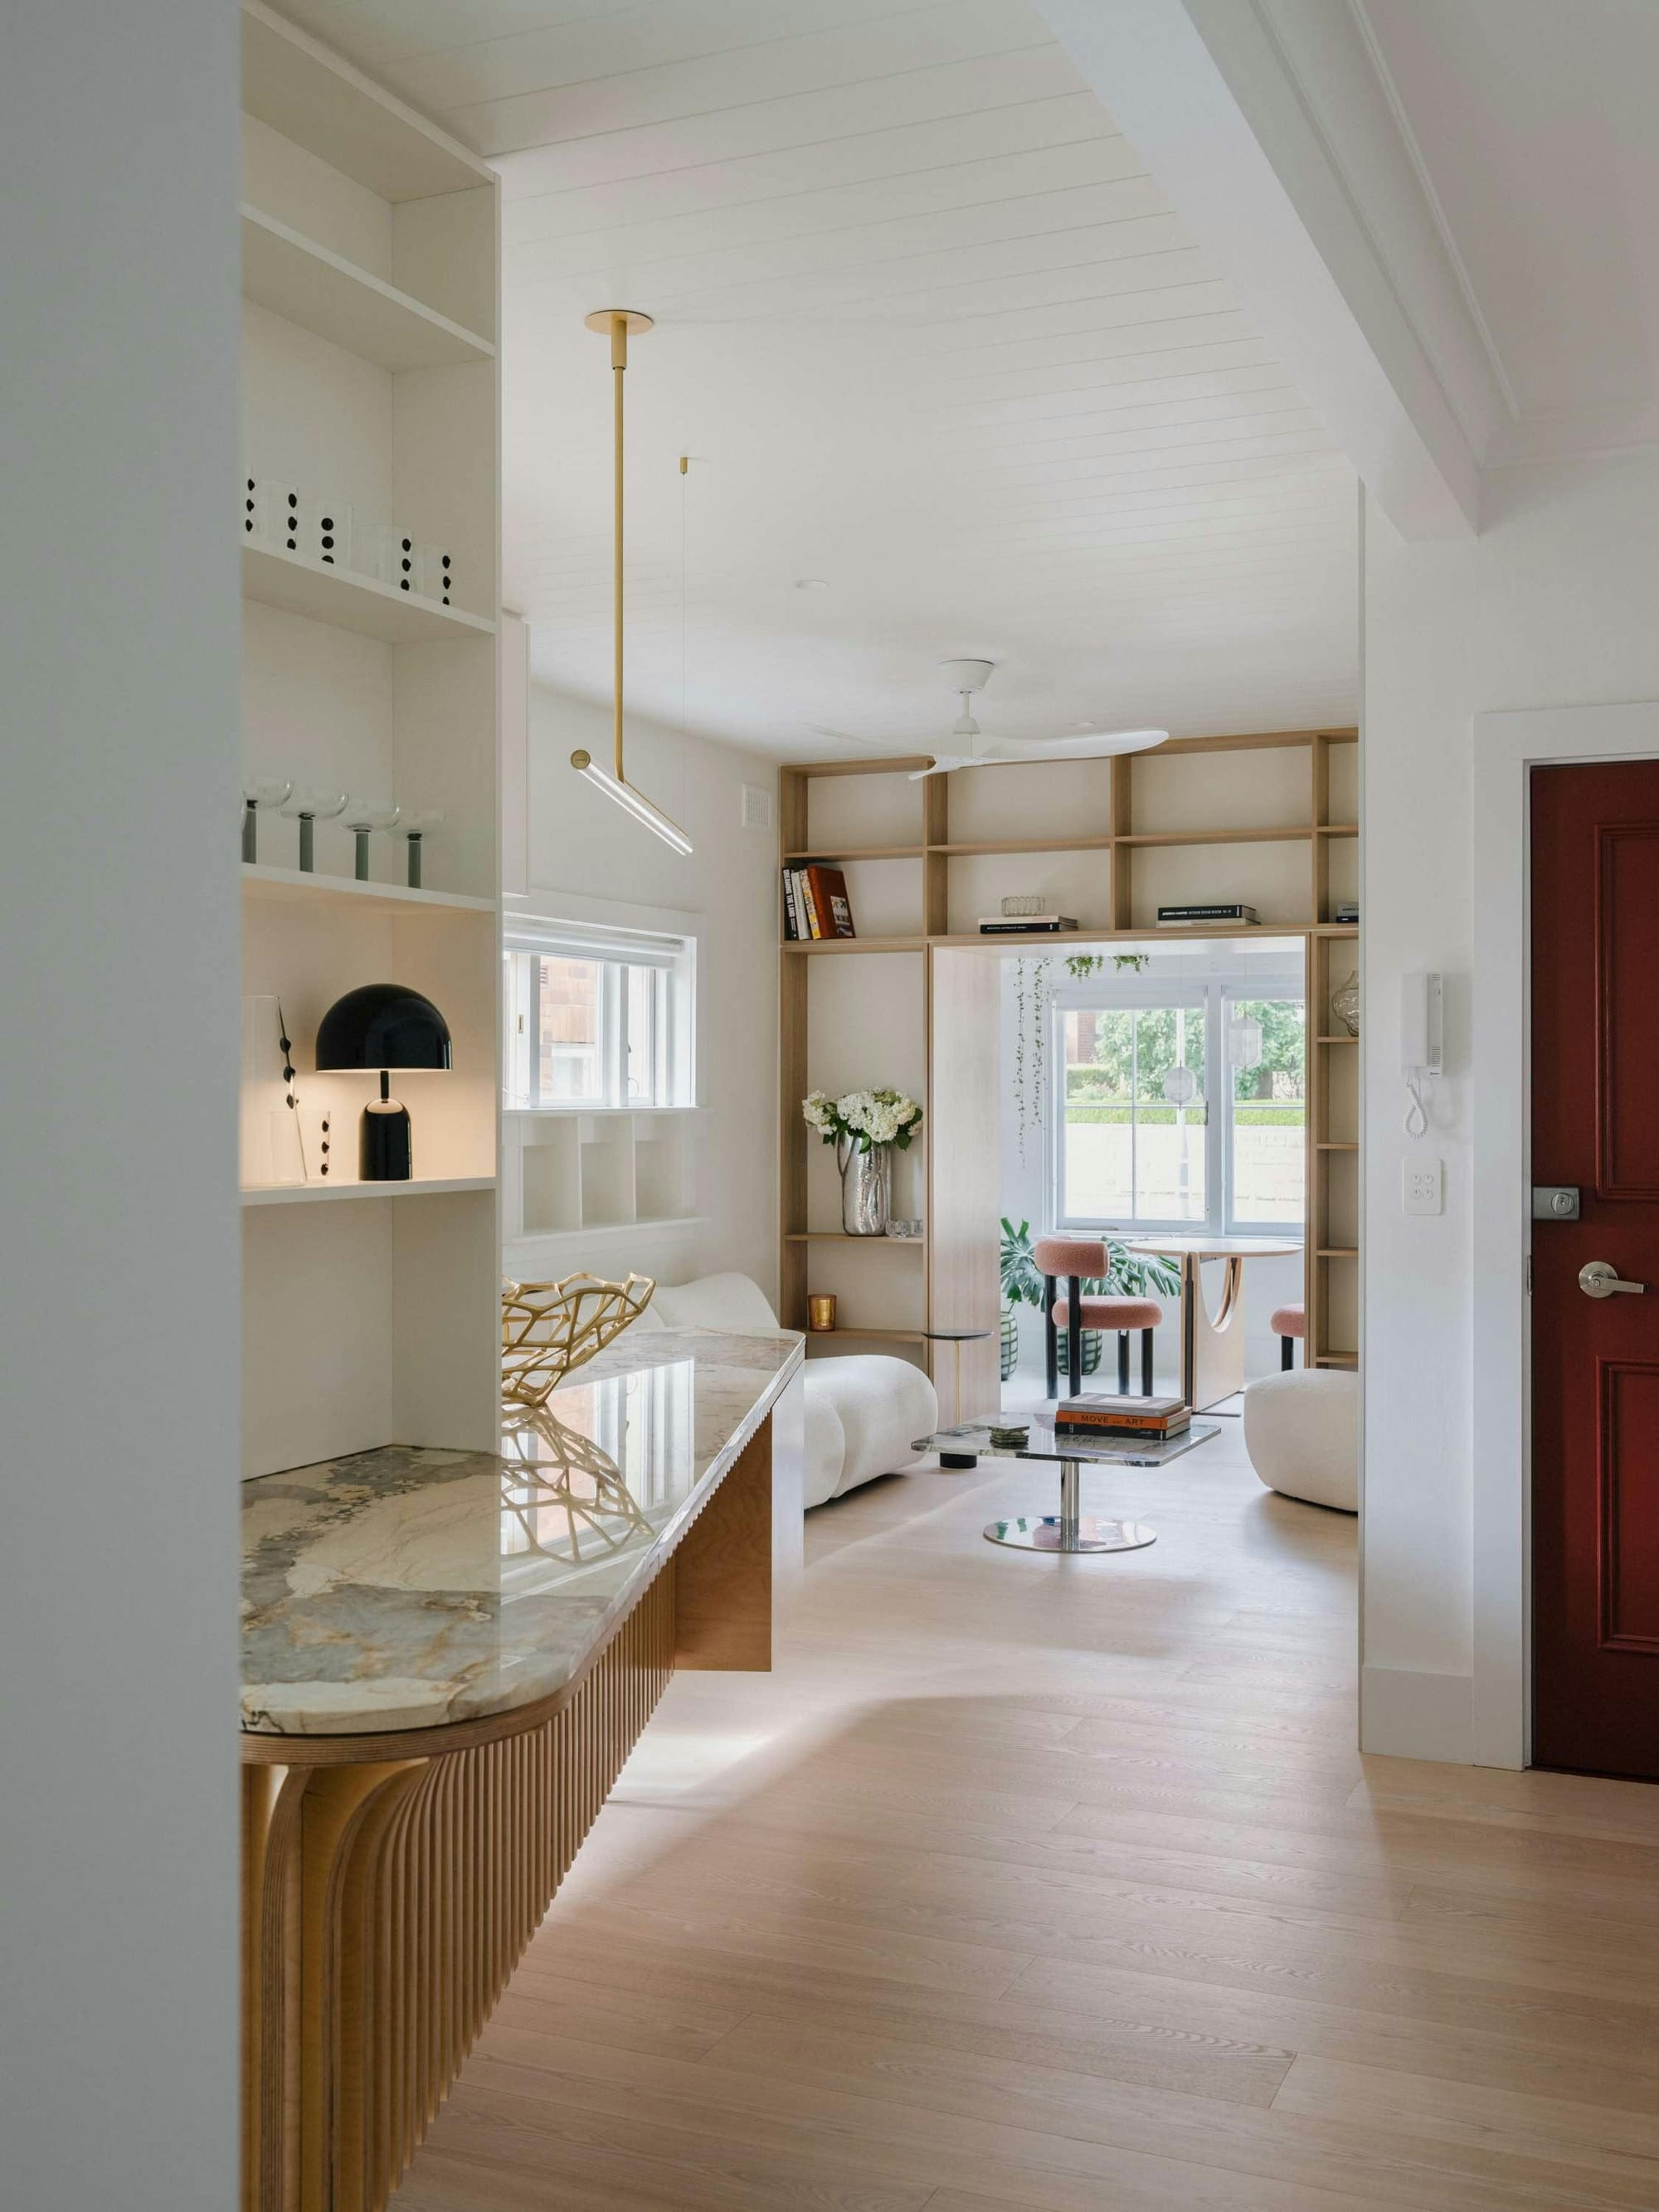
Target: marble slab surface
[[406, 1588]]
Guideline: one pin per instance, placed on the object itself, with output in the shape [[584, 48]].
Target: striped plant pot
[[1092, 1340]]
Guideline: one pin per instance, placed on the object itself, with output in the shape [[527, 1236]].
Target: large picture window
[[595, 1018], [1180, 1107]]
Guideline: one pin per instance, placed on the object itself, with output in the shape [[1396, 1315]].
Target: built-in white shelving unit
[[275, 578], [327, 1193], [316, 890], [297, 278], [573, 1174], [370, 246]]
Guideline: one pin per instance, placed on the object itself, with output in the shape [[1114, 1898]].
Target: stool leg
[[1050, 1336], [1073, 1335], [1286, 1353], [1123, 1363], [1145, 1363]]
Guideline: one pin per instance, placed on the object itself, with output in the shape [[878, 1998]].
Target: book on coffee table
[[1114, 1412]]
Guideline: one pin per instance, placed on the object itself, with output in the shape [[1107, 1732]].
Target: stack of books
[[1213, 911], [1108, 1413], [1024, 925], [815, 903]]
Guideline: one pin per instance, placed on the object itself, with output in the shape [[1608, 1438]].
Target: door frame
[[1507, 748]]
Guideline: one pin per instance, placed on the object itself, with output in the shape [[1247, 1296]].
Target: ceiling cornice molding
[[1238, 108]]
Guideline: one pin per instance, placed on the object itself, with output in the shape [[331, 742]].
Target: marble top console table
[[447, 1656]]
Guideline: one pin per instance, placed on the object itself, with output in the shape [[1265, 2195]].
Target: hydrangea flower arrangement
[[863, 1119]]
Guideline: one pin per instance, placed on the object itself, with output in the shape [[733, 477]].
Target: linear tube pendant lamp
[[616, 323]]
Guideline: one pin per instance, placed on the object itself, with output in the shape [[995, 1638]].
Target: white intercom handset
[[1421, 1043]]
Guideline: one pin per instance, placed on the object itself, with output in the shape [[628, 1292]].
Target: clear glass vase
[[866, 1187]]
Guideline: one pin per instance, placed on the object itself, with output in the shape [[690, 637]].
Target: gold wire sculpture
[[570, 1499], [548, 1329]]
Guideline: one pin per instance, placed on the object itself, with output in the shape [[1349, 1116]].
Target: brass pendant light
[[615, 323]]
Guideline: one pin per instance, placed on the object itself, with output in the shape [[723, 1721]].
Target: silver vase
[[866, 1187]]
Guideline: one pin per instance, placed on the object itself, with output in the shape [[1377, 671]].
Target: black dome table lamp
[[384, 1026]]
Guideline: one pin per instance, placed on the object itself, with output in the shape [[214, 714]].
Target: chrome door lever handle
[[1597, 1279]]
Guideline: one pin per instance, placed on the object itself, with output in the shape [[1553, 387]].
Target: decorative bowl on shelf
[[1345, 1006], [1021, 903], [906, 1231]]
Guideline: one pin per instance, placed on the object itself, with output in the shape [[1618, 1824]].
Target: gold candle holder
[[820, 1312]]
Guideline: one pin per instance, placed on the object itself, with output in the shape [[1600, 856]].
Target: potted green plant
[[1130, 1275]]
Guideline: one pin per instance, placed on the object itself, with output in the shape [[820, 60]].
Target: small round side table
[[957, 1337]]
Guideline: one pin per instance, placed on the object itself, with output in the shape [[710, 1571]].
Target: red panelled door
[[1595, 1360]]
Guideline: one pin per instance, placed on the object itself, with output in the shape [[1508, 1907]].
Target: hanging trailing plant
[[1019, 1056], [1085, 965], [1137, 961]]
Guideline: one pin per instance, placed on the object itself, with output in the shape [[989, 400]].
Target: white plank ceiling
[[932, 338]]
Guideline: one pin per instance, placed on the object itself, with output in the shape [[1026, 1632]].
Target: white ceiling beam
[[1207, 94]]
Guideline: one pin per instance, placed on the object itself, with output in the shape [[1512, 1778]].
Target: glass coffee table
[[1068, 1530]]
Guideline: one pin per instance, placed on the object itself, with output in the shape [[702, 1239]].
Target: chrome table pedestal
[[1070, 1531]]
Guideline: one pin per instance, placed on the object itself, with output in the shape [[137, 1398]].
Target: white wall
[[1552, 604], [119, 1221], [581, 843], [1024, 1188]]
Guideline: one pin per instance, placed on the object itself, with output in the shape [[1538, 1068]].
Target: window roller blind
[[585, 941]]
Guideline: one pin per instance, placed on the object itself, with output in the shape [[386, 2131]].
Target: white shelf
[[280, 578], [309, 285], [296, 85], [285, 884], [609, 1232], [307, 1193]]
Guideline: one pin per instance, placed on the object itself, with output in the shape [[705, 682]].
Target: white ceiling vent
[[757, 806]]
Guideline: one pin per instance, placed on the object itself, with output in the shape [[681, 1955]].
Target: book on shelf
[[816, 903], [1186, 917], [1024, 925]]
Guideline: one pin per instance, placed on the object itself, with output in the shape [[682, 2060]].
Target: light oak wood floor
[[1027, 1882]]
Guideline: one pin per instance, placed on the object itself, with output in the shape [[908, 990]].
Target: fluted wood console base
[[391, 1884]]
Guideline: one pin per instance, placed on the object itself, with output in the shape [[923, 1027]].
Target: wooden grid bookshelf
[[1282, 820]]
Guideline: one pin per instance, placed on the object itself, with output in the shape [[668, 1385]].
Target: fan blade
[[941, 765], [1098, 745]]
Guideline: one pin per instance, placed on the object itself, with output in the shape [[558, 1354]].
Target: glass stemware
[[362, 818], [255, 796], [311, 807], [415, 828]]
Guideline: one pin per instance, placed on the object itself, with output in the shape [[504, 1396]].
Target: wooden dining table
[[1212, 1343]]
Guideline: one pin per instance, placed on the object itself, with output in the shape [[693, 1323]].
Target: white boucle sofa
[[862, 1412], [1302, 1432]]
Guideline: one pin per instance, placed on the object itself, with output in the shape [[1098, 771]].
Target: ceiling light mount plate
[[602, 319], [966, 675]]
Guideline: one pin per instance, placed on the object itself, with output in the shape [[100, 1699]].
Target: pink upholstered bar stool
[[1078, 1258], [1288, 1323]]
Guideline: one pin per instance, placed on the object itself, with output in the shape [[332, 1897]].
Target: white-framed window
[[1179, 1105], [595, 1018]]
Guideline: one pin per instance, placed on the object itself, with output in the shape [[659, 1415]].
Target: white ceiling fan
[[968, 676]]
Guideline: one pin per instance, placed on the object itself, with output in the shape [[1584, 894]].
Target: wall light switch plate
[[1423, 1190]]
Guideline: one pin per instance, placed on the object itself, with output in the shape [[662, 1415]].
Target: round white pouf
[[1302, 1432]]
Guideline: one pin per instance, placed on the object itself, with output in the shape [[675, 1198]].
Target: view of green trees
[[1116, 1054]]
